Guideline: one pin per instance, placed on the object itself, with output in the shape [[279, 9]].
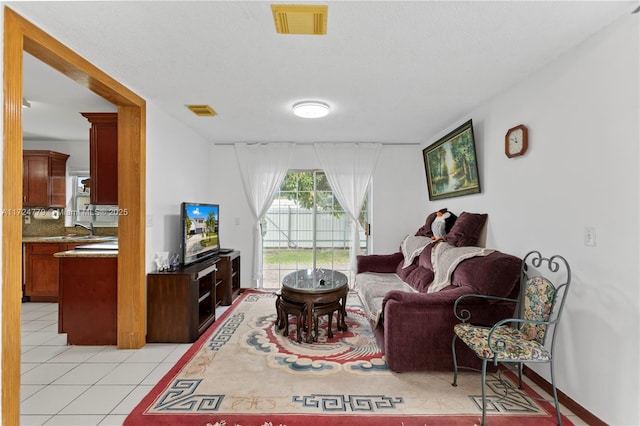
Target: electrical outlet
[[589, 236]]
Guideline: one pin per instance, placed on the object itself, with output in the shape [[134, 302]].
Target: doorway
[[22, 36]]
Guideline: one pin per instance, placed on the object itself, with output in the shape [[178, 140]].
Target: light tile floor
[[84, 385], [94, 385]]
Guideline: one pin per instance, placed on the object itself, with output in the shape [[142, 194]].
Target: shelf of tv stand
[[219, 292], [229, 274], [181, 304]]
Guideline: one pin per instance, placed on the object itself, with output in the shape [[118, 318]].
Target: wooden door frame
[[21, 35]]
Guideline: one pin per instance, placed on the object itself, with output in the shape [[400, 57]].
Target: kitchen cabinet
[[41, 270], [44, 178], [88, 305], [103, 157]]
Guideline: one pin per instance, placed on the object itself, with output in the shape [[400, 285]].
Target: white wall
[[581, 170], [236, 220], [399, 197], [178, 169]]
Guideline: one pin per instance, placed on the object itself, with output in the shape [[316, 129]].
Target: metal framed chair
[[528, 337]]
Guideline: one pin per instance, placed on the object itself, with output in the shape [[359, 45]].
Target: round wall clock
[[516, 141]]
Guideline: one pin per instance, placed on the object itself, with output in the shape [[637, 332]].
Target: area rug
[[244, 372]]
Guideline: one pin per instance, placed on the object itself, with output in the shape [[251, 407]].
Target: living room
[[581, 171]]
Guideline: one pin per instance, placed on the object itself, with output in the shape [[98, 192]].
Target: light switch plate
[[589, 236]]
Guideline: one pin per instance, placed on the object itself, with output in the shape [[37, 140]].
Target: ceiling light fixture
[[311, 109], [25, 103]]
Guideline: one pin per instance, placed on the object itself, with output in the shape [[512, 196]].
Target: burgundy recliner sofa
[[413, 325]]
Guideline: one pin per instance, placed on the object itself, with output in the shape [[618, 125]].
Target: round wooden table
[[315, 287]]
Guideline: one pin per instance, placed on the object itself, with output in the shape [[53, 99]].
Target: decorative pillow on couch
[[466, 229]]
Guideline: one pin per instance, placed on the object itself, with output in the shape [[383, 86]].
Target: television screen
[[199, 231]]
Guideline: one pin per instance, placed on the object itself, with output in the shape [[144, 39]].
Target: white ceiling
[[56, 102], [393, 72]]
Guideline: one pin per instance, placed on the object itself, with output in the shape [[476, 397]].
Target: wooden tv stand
[[229, 274], [181, 304]]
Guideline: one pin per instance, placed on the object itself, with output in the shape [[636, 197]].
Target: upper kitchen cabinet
[[103, 155], [44, 178]]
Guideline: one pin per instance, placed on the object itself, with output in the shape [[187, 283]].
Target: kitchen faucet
[[88, 228]]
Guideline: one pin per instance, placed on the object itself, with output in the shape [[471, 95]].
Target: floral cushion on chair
[[524, 344], [518, 346], [538, 304]]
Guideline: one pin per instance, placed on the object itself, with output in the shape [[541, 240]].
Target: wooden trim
[[131, 227], [19, 35], [571, 405], [11, 223]]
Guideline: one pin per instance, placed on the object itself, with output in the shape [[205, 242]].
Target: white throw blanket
[[445, 258], [372, 287], [412, 246]]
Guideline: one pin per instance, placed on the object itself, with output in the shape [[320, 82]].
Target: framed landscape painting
[[451, 165]]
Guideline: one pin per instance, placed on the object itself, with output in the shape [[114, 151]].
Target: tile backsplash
[[55, 227]]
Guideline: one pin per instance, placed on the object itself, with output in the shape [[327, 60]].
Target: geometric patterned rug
[[243, 371]]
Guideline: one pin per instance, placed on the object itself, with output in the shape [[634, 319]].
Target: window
[[81, 211], [306, 226]]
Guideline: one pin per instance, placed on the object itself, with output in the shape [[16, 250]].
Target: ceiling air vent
[[300, 19], [202, 110]]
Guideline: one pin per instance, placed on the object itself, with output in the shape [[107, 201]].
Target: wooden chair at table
[[328, 309], [284, 308]]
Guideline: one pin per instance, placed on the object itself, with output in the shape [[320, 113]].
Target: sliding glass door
[[306, 228]]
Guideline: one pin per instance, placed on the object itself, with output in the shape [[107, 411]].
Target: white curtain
[[263, 167], [349, 168]]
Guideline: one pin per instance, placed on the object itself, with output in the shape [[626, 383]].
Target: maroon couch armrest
[[417, 328], [446, 296], [379, 262], [497, 274]]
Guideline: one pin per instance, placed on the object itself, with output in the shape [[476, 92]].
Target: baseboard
[[573, 406]]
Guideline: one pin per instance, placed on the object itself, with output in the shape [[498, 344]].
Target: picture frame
[[451, 164]]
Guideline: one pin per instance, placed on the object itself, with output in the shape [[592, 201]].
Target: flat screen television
[[200, 238]]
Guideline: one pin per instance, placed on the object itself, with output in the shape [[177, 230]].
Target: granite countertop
[[107, 248], [95, 245], [87, 253], [69, 239]]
